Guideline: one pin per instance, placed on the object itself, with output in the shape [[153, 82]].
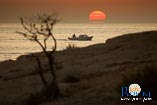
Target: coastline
[[95, 65]]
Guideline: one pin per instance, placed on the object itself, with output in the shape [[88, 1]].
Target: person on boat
[[74, 36]]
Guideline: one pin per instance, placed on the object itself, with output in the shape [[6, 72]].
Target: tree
[[42, 27]]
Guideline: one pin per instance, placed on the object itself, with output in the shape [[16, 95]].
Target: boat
[[81, 38]]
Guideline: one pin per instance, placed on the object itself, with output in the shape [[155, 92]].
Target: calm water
[[13, 45]]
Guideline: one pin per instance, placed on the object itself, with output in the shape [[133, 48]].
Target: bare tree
[[40, 31]]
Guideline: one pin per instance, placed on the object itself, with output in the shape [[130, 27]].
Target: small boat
[[81, 38]]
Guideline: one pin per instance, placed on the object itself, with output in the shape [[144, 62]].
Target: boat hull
[[81, 39]]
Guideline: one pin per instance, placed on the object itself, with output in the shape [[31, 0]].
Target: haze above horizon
[[78, 11]]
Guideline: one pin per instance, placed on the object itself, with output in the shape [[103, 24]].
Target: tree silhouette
[[40, 31]]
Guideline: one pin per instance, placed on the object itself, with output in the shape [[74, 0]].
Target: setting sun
[[97, 15]]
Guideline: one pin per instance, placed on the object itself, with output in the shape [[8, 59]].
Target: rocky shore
[[97, 68]]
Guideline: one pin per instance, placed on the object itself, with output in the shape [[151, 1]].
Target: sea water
[[13, 45]]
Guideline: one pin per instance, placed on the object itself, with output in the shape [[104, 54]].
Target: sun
[[97, 16]]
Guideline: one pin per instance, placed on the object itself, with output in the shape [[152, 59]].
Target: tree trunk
[[40, 69], [53, 89]]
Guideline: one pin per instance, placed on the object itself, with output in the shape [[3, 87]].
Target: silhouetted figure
[[74, 36]]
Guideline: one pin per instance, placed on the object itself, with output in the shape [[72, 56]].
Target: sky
[[79, 10]]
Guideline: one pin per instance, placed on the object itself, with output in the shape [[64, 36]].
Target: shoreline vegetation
[[86, 76]]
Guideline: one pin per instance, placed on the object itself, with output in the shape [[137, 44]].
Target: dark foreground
[[87, 76]]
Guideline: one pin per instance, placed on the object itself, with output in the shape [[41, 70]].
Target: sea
[[13, 45]]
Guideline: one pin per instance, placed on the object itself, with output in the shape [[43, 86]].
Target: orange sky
[[78, 10]]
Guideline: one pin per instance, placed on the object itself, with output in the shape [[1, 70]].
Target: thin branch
[[55, 44], [29, 37], [39, 32], [45, 44], [43, 48], [25, 27]]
